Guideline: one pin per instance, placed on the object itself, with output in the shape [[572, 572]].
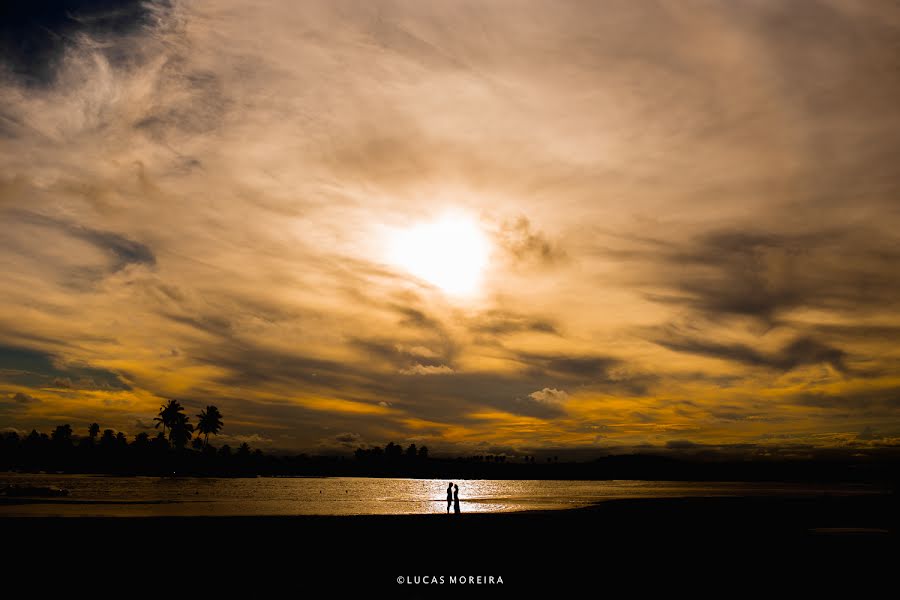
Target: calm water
[[153, 496]]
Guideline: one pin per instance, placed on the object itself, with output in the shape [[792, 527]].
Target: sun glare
[[450, 253]]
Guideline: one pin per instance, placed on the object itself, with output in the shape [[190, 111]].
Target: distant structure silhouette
[[456, 499], [449, 497]]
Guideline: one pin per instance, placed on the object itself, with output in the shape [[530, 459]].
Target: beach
[[645, 541]]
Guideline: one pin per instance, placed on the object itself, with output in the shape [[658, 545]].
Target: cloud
[[766, 274], [121, 250], [549, 396], [198, 200], [419, 351], [21, 398], [397, 355], [35, 37], [498, 322], [524, 244], [883, 402], [797, 353], [868, 434], [570, 366], [348, 439], [17, 403], [418, 369], [547, 403], [39, 369]]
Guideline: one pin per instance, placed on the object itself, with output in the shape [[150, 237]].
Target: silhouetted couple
[[453, 498]]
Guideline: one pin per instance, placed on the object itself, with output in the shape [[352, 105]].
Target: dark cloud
[[21, 398], [751, 412], [121, 250], [799, 352], [728, 416], [348, 440], [34, 35], [80, 383], [875, 402], [216, 325], [607, 373], [580, 367], [868, 434], [247, 363], [15, 403], [63, 382], [764, 274], [381, 350], [418, 319], [527, 245], [528, 407], [857, 332], [40, 369], [403, 356], [499, 322]]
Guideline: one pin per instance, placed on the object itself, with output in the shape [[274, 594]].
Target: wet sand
[[648, 543]]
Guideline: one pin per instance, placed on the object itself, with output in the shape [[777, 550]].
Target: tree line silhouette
[[181, 447], [392, 453], [173, 450]]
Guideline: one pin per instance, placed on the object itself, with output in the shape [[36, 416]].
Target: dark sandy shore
[[654, 544]]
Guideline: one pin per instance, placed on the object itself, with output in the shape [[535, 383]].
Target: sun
[[450, 253]]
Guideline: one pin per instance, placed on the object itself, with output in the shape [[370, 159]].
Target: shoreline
[[575, 507], [871, 507], [561, 551]]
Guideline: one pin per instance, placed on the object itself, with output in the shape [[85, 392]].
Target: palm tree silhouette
[[93, 431], [180, 430], [163, 417], [209, 422], [168, 415]]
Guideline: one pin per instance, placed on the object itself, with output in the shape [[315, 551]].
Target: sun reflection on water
[[152, 496]]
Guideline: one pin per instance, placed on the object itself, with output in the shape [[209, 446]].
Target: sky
[[487, 227]]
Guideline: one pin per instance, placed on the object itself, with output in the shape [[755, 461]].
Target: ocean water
[[98, 495]]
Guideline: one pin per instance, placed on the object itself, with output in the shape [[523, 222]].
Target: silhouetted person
[[449, 497], [456, 499]]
